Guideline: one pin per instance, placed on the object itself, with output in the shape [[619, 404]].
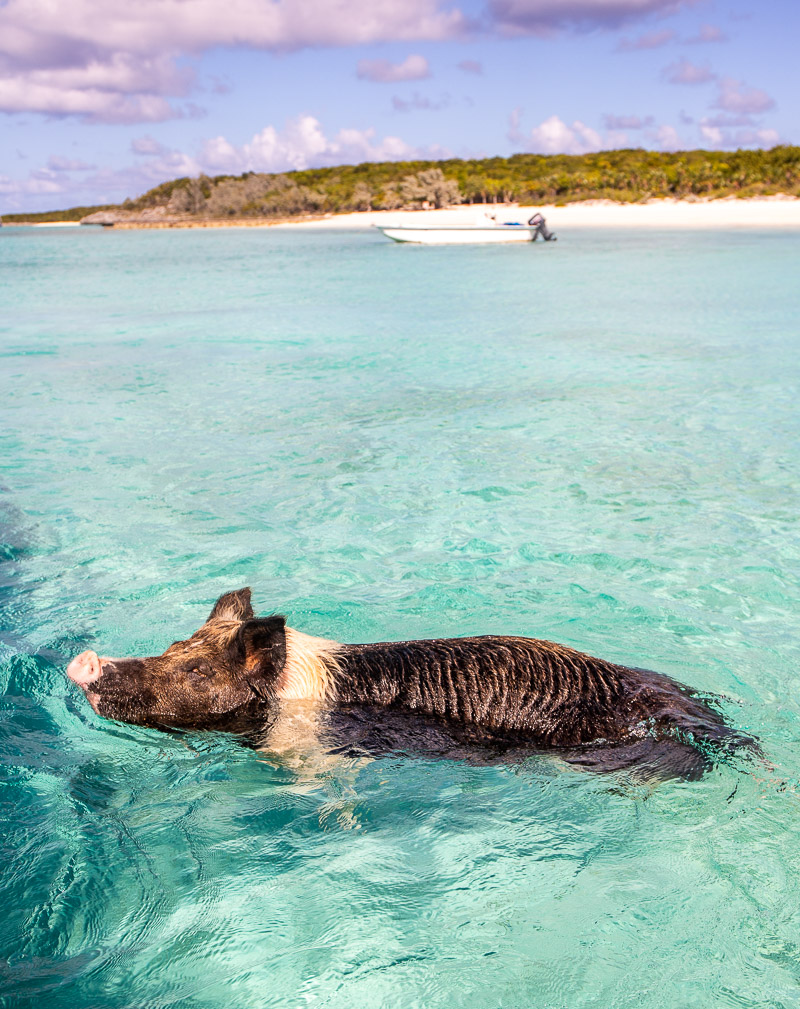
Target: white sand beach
[[762, 212]]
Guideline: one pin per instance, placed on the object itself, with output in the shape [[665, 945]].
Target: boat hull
[[458, 234]]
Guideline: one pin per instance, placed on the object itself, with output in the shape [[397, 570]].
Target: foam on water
[[595, 442]]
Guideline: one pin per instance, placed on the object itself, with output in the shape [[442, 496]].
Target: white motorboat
[[458, 234]]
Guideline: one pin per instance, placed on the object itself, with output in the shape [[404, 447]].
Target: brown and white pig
[[239, 672]]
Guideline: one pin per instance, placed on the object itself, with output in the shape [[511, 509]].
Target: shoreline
[[729, 212]]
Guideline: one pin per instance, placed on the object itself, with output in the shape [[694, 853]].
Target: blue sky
[[102, 99]]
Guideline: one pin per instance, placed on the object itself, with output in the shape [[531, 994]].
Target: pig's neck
[[311, 669]]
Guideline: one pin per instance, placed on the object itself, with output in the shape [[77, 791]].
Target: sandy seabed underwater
[[595, 442]]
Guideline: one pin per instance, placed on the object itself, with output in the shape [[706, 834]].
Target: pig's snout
[[85, 669]]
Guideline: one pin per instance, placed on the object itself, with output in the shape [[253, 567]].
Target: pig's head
[[223, 677]]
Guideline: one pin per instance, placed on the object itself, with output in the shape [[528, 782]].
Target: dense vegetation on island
[[73, 214], [625, 175]]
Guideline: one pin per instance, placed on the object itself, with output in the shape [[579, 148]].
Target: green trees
[[362, 197], [429, 188], [249, 195], [295, 193], [625, 175]]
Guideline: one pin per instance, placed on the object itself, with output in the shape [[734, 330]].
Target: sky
[[102, 99]]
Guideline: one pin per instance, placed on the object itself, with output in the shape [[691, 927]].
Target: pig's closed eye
[[201, 670]]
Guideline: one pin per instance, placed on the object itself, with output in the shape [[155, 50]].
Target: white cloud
[[418, 102], [37, 184], [471, 67], [56, 163], [218, 156], [147, 145], [667, 138], [538, 16], [712, 135], [22, 95], [725, 121], [113, 61], [650, 40], [718, 136], [684, 72], [133, 181], [554, 136], [735, 96], [413, 68], [122, 62], [121, 73], [302, 144], [626, 122], [114, 87], [709, 33], [734, 125], [759, 138], [38, 31]]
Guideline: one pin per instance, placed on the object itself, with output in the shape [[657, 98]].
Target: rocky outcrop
[[106, 218], [150, 215]]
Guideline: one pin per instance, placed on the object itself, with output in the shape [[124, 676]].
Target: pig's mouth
[[86, 670]]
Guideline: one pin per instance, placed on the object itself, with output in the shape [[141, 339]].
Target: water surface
[[594, 442]]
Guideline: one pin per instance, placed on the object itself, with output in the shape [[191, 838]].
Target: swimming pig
[[491, 694]]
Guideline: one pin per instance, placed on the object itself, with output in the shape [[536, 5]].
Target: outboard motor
[[538, 222]]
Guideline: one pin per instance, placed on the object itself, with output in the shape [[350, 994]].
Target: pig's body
[[490, 695]]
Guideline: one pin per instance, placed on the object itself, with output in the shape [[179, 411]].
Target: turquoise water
[[595, 442]]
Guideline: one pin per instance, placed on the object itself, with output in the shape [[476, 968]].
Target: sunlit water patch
[[594, 442]]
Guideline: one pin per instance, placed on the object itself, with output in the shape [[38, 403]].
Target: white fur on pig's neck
[[311, 668]]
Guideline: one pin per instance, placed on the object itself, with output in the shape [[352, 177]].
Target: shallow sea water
[[595, 442]]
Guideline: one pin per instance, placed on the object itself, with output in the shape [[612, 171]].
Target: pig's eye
[[201, 670]]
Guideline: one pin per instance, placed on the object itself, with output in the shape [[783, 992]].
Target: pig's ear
[[233, 606], [263, 642]]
